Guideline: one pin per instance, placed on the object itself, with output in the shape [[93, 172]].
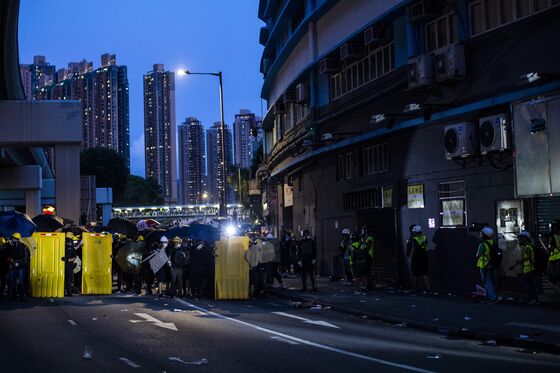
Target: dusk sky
[[199, 35]]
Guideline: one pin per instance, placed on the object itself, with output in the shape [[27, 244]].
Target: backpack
[[496, 255]]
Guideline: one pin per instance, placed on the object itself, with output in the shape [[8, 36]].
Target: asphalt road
[[121, 333]]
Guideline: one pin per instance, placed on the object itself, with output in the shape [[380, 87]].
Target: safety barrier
[[96, 263], [232, 269], [47, 264]]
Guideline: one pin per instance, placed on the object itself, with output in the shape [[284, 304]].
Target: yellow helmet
[[176, 239], [2, 240], [140, 238], [70, 235], [16, 235]]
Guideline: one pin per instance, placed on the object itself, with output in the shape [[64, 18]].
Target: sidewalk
[[507, 323]]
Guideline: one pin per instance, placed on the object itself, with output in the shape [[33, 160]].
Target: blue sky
[[200, 35]]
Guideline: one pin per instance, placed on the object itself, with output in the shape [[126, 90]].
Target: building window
[[376, 64], [300, 183], [375, 159], [441, 32], [452, 197], [486, 15], [363, 199], [344, 167]]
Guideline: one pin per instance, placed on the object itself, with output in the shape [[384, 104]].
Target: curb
[[452, 332]]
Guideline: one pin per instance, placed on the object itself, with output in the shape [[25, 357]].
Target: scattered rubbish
[[465, 329], [158, 298], [436, 319], [523, 336], [401, 325], [124, 310], [373, 298], [364, 316], [87, 353], [449, 294], [317, 307], [510, 298], [94, 318], [527, 351], [362, 301], [412, 305], [165, 304], [178, 310], [296, 304], [443, 331], [434, 356], [467, 318], [202, 361], [489, 342]]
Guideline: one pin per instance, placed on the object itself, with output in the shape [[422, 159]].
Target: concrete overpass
[[27, 127]]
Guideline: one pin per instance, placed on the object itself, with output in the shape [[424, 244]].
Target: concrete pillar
[[107, 210], [67, 181], [33, 202]]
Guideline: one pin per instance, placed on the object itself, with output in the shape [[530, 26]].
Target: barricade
[[97, 263], [47, 264], [232, 269]]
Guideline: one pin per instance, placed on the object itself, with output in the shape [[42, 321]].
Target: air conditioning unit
[[350, 51], [374, 35], [328, 65], [494, 133], [449, 62], [420, 71], [301, 93], [279, 108], [290, 96], [460, 140], [422, 11]]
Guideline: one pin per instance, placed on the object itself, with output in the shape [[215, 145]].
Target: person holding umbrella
[[18, 261], [69, 263], [178, 262]]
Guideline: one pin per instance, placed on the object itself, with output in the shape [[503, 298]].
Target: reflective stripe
[[484, 259], [528, 258], [554, 248]]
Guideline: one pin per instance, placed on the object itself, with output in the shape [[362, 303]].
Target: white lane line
[[72, 322], [129, 363], [308, 343], [307, 321], [51, 300], [552, 328], [275, 337]]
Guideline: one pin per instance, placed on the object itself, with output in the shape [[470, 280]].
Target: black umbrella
[[123, 226], [102, 228], [48, 223], [76, 230], [181, 232], [155, 235], [129, 257]]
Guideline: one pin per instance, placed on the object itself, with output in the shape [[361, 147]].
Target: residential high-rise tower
[[192, 165], [159, 130], [215, 180]]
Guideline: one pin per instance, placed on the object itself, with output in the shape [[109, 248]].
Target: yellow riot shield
[[96, 263], [232, 269], [47, 264]]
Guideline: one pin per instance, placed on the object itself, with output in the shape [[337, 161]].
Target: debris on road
[[523, 336], [401, 325], [87, 353], [94, 318], [202, 361], [467, 318], [124, 310], [178, 310], [489, 342], [434, 356]]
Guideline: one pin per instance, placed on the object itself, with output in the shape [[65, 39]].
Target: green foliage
[[257, 160], [140, 192], [108, 167]]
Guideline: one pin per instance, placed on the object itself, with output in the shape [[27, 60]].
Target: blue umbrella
[[13, 221], [203, 232]]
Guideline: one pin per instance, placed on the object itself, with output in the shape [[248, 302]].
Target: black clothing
[[307, 254], [202, 263]]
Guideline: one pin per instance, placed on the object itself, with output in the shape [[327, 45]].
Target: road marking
[[307, 321], [153, 320], [274, 304], [552, 328], [51, 300], [306, 342], [129, 363], [275, 337], [72, 322]]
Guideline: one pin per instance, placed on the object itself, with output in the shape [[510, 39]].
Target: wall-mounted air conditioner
[[420, 71], [422, 11], [460, 140], [328, 65], [449, 62], [350, 51], [494, 133], [374, 35]]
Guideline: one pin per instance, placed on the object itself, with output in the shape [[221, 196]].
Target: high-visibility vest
[[484, 259], [421, 242], [355, 246], [367, 245], [554, 247], [528, 258]]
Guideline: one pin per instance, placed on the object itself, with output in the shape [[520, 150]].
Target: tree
[[258, 159], [140, 191], [108, 167]]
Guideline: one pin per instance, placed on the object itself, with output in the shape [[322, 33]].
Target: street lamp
[[223, 207]]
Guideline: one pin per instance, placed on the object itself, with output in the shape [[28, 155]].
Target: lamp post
[[223, 206]]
